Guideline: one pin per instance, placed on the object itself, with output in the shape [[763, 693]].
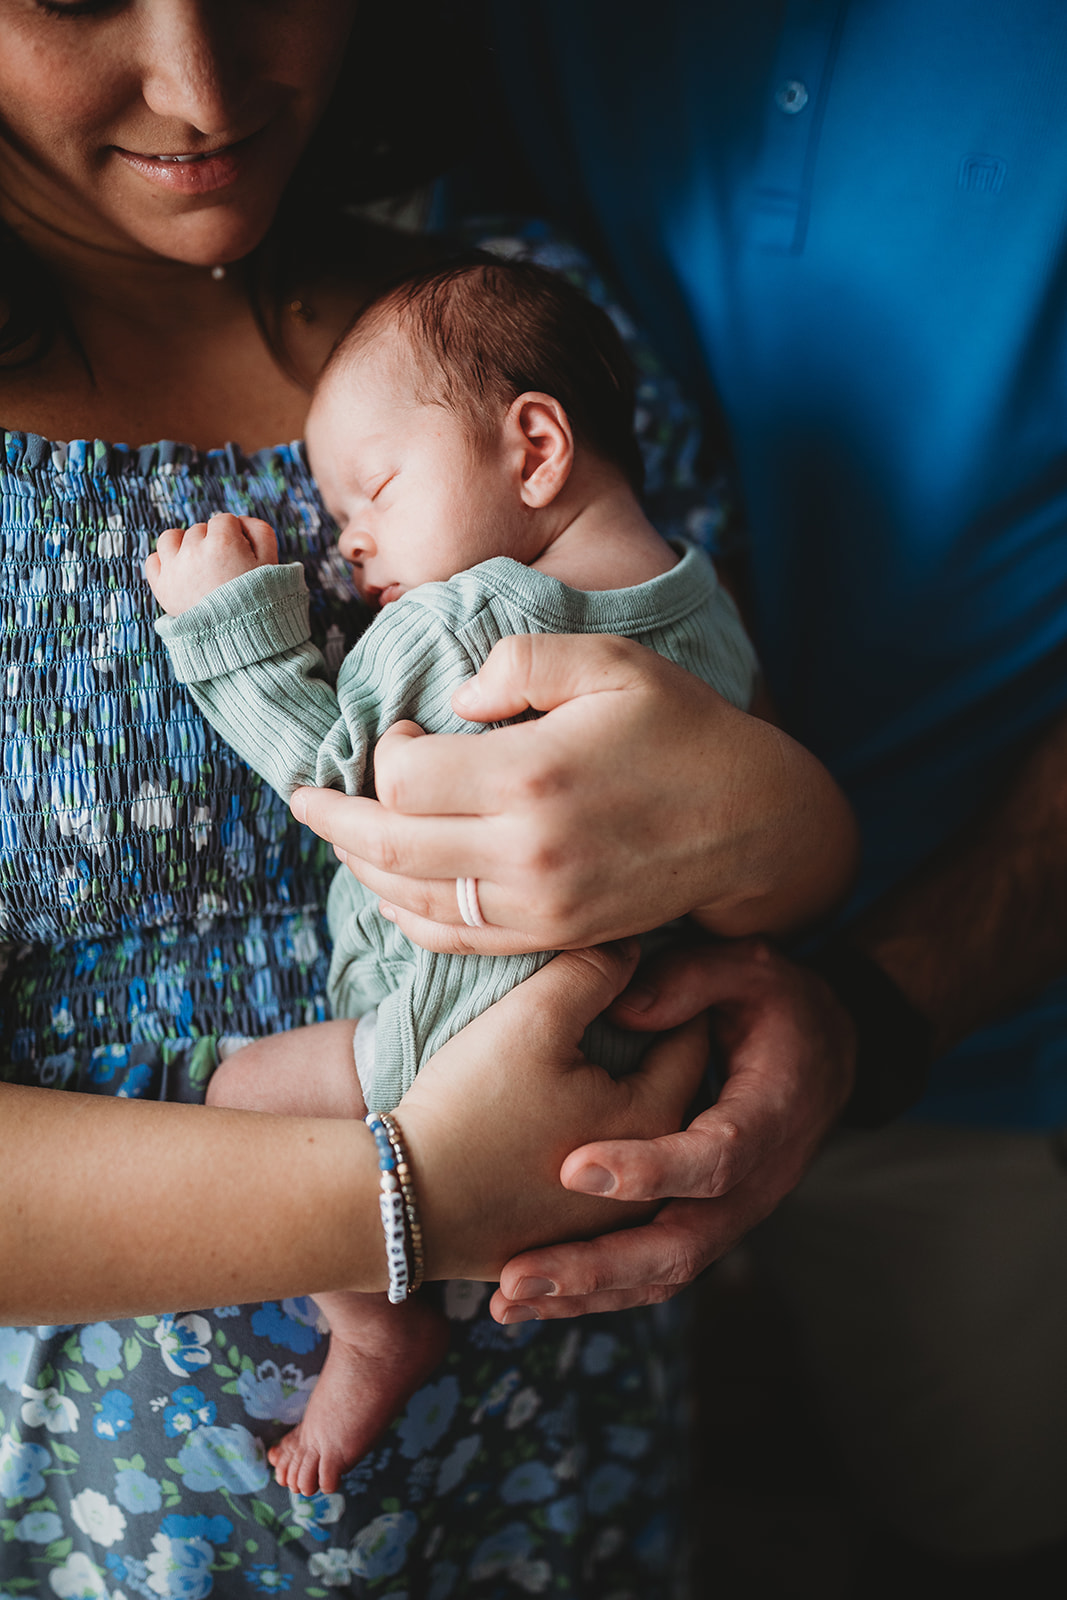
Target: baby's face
[[415, 500]]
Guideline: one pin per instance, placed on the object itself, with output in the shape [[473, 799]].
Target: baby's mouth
[[382, 595]]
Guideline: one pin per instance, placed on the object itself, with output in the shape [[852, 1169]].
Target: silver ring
[[467, 899]]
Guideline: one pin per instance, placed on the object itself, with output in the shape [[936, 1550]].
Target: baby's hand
[[184, 567]]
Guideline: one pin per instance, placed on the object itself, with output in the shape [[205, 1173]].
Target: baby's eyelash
[[384, 485]]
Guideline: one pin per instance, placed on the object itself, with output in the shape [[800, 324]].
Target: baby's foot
[[360, 1390]]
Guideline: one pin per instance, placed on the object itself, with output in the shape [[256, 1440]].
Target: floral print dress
[[156, 902]]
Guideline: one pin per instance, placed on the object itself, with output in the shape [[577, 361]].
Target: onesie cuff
[[249, 619]]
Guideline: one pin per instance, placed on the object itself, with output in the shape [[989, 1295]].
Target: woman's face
[[96, 95]]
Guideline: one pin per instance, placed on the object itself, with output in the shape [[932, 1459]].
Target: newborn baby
[[472, 436]]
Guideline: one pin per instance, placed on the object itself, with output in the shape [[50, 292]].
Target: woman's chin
[[208, 241], [197, 231]]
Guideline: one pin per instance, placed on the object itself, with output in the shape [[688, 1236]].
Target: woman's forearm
[[117, 1207], [792, 835], [120, 1207]]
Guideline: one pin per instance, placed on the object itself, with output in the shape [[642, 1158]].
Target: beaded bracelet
[[394, 1219], [400, 1216], [411, 1214]]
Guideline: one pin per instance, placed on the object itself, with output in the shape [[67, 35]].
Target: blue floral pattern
[[160, 898]]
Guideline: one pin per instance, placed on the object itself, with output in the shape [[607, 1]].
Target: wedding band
[[467, 897]]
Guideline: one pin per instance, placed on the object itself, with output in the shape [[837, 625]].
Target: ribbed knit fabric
[[246, 654]]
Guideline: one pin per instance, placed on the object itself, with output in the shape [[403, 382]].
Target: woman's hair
[[403, 112], [480, 331]]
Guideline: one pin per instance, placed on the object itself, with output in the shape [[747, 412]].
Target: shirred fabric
[[155, 894], [268, 693]]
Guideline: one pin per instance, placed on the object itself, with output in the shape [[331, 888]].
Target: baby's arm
[[243, 647], [246, 654], [186, 566]]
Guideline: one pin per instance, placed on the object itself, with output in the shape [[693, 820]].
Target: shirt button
[[791, 97]]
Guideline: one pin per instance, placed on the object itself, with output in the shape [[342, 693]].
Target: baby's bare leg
[[307, 1072], [379, 1354]]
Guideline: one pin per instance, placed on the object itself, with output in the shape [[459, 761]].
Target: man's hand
[[640, 795], [789, 1053], [187, 565]]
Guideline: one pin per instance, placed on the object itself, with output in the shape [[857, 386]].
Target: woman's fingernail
[[637, 998], [342, 855], [520, 1314], [530, 1288], [468, 694], [298, 805], [387, 911], [592, 1180]]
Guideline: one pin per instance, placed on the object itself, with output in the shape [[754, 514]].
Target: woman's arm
[[111, 1208], [640, 796], [116, 1207]]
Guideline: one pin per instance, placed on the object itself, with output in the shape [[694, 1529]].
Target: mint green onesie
[[245, 653]]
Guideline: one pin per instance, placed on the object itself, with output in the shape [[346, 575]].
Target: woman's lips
[[189, 173]]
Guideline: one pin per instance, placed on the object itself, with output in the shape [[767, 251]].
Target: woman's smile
[[162, 124], [193, 172]]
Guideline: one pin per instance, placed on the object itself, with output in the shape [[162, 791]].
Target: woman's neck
[[165, 350]]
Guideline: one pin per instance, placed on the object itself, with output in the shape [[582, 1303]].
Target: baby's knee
[[308, 1072]]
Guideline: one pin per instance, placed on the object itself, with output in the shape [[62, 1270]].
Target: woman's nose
[[196, 70]]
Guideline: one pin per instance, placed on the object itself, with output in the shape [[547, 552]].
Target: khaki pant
[[927, 1270]]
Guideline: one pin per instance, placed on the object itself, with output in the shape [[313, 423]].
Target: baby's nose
[[353, 544]]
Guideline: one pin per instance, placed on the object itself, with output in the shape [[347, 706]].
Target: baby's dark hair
[[482, 330]]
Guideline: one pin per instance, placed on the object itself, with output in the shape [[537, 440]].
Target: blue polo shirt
[[846, 225]]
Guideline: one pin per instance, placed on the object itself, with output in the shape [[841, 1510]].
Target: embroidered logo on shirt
[[982, 174]]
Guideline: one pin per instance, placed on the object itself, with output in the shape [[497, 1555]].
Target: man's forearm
[[982, 926]]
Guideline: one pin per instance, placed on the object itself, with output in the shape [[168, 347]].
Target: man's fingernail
[[530, 1288], [592, 1180], [298, 805], [387, 911], [468, 694], [637, 997], [520, 1314]]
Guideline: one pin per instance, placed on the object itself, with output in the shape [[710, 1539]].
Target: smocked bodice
[[134, 845]]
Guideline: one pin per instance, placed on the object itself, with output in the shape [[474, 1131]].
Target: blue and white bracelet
[[400, 1219], [416, 1264]]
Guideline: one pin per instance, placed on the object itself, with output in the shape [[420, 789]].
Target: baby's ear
[[540, 431]]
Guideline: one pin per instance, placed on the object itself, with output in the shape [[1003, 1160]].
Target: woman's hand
[[492, 1116], [641, 795], [790, 1052]]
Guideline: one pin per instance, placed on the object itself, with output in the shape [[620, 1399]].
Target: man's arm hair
[[981, 927]]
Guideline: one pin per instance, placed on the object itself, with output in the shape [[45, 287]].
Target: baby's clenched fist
[[187, 565]]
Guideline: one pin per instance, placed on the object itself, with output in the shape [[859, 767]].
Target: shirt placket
[[796, 95]]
